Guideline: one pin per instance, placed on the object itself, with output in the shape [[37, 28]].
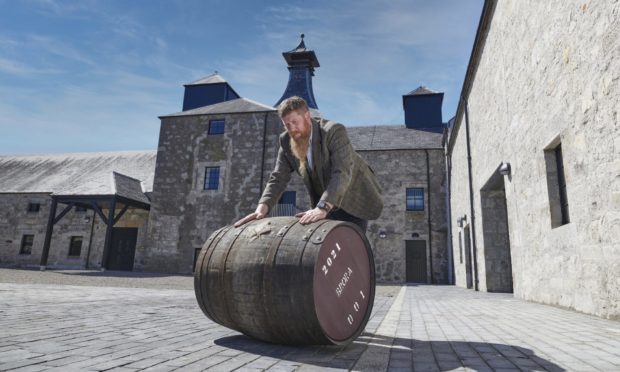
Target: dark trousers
[[341, 215]]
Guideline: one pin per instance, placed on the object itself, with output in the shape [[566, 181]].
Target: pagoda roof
[[421, 91]]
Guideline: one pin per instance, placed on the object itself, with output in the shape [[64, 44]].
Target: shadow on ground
[[371, 351]]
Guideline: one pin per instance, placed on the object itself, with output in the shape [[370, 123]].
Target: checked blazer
[[339, 176]]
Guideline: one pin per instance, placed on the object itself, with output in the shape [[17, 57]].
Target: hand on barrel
[[260, 212], [312, 215]]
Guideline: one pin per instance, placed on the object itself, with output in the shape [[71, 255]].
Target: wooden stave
[[303, 326]]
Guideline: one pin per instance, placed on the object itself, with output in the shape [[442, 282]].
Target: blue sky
[[86, 75]]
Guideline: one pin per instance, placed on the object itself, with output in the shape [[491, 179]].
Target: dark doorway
[[122, 249], [497, 257], [415, 256]]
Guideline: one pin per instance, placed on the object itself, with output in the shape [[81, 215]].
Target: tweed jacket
[[343, 177]]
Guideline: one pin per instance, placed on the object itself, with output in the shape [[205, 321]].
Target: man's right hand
[[260, 212]]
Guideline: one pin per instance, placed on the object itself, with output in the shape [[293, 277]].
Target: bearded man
[[342, 186]]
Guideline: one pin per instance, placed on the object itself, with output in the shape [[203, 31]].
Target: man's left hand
[[312, 215]]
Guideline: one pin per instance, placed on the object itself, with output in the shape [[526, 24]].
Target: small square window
[[216, 127], [27, 242], [75, 248], [415, 199], [34, 207], [212, 178]]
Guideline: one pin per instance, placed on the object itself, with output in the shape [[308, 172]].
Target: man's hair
[[291, 104]]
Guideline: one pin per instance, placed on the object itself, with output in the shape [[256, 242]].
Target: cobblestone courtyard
[[83, 321]]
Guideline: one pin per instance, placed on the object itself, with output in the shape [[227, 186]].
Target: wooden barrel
[[282, 282]]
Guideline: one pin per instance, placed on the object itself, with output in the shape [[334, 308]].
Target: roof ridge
[[78, 154]]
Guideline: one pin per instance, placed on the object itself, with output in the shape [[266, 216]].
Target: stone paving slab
[[63, 327]]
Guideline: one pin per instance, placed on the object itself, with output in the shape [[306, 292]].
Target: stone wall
[[183, 214], [398, 170], [549, 74], [16, 221]]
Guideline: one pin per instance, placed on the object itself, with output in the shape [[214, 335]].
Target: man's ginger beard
[[300, 149]]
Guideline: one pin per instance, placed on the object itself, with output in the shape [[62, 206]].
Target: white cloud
[[12, 67], [128, 66], [57, 47]]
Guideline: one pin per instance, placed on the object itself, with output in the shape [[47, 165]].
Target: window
[[75, 248], [212, 178], [34, 207], [80, 208], [561, 184], [556, 186], [216, 127], [415, 199], [26, 247]]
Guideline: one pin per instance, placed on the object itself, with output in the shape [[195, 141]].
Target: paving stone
[[428, 328], [14, 364], [65, 361]]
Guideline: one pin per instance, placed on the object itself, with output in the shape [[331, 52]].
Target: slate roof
[[421, 91], [129, 188], [301, 54], [301, 47], [392, 137], [211, 79], [239, 105], [124, 173]]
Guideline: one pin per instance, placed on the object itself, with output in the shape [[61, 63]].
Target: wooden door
[[122, 249], [416, 261]]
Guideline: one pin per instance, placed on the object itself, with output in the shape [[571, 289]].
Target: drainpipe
[[262, 164], [430, 232], [471, 197], [449, 215]]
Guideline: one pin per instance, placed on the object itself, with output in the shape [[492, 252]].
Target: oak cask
[[282, 282]]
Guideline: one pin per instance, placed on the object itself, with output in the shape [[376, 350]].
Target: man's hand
[[260, 212], [312, 215]]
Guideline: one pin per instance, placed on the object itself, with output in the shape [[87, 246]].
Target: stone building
[[211, 165], [535, 156], [521, 193], [214, 160], [98, 203]]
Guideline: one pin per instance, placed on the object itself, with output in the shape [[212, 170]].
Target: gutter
[[448, 166], [462, 110], [474, 59]]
